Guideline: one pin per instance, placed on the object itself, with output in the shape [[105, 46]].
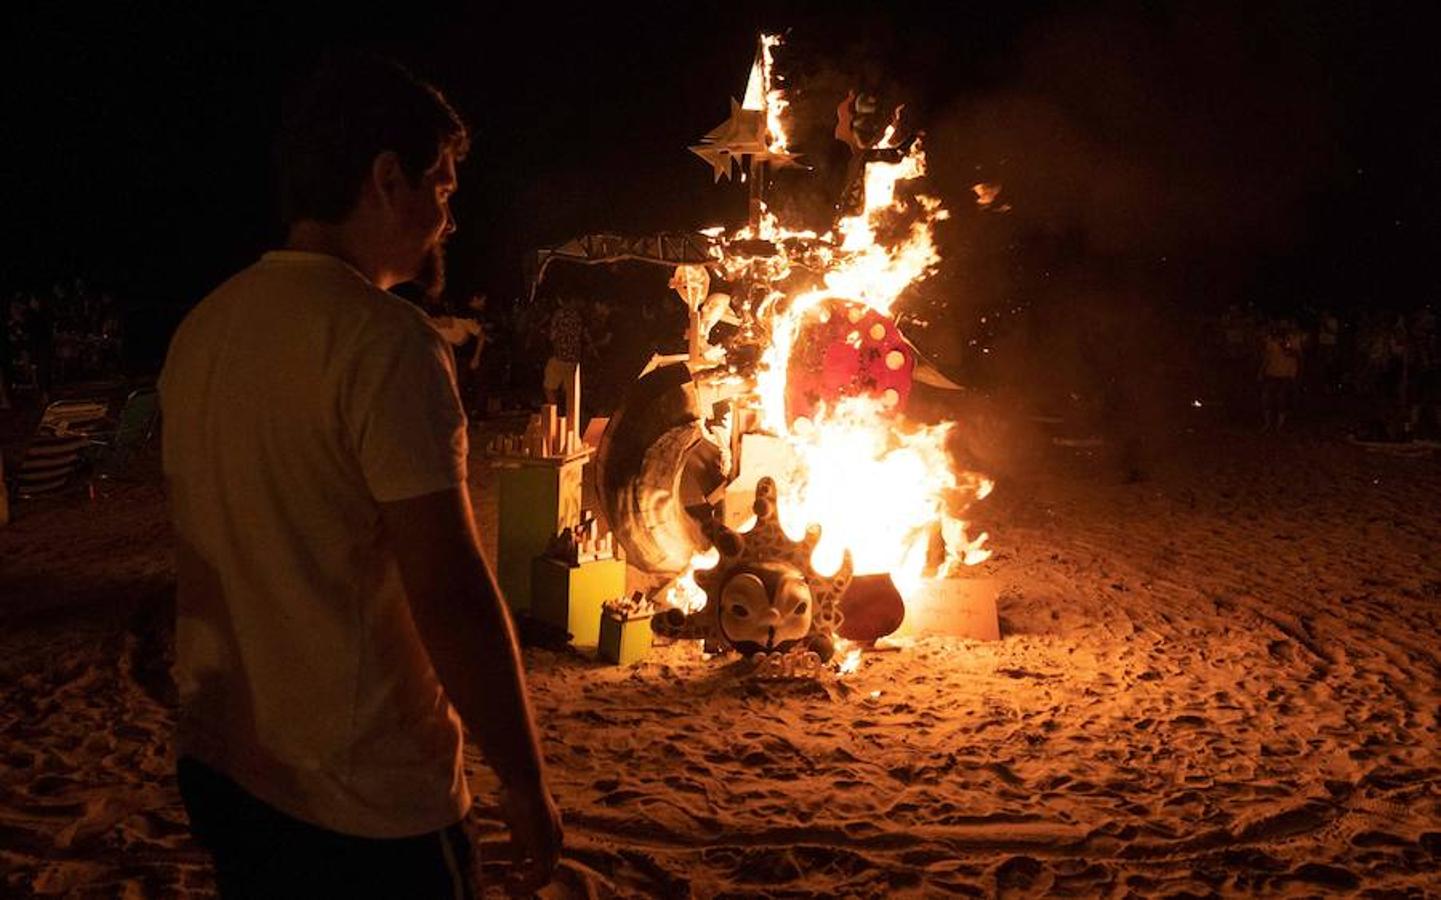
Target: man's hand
[[535, 836], [462, 619]]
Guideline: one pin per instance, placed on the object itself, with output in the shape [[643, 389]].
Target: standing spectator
[[1328, 351], [40, 330], [458, 331], [112, 334], [1395, 343], [16, 343], [1280, 367], [475, 311], [466, 334], [602, 389], [567, 344], [1424, 369], [486, 363], [530, 347], [501, 355], [1372, 354], [337, 621]]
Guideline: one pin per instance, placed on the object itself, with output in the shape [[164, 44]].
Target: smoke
[[1185, 135], [1110, 174]]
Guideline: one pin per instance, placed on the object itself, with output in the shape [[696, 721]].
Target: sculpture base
[[953, 607], [570, 597]]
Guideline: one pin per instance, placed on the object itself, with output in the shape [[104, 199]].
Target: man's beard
[[430, 278]]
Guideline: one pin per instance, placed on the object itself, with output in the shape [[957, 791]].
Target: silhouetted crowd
[[1381, 367], [510, 355], [65, 334]]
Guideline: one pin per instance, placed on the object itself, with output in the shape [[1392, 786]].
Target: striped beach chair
[[59, 446]]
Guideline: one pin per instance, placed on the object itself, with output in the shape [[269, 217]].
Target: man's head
[[366, 145]]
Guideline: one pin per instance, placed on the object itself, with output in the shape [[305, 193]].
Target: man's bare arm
[[463, 621], [466, 628], [479, 346]]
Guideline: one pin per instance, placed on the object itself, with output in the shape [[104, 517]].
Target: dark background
[[1201, 154]]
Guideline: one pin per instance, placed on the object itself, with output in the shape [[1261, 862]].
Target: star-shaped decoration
[[743, 134]]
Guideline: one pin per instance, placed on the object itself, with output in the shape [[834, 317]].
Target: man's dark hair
[[355, 107]]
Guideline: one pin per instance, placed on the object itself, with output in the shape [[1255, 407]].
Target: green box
[[538, 499], [570, 597], [624, 641]]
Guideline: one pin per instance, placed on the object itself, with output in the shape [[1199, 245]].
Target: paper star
[[743, 134]]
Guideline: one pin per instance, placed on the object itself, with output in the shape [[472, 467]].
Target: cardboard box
[[538, 498], [570, 597], [954, 607], [624, 641]]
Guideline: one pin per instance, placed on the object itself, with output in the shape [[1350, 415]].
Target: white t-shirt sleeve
[[404, 414]]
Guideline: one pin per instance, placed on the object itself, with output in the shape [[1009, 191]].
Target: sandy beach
[[1221, 679]]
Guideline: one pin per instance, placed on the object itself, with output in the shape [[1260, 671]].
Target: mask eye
[[739, 611]]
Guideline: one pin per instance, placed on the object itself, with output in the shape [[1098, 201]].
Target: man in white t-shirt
[[337, 623]]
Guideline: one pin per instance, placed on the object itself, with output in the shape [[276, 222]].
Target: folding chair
[[58, 448], [134, 429], [64, 416]]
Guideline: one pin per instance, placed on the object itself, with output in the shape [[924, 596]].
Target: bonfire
[[809, 392]]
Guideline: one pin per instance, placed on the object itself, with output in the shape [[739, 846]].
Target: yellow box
[[624, 641], [570, 597]]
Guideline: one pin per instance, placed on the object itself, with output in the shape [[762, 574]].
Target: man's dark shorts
[[260, 851]]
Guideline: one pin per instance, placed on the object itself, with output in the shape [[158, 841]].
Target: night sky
[[1281, 156]]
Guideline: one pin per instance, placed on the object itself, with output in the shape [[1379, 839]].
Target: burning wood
[[819, 366]]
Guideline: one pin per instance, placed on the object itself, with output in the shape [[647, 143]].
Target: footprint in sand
[[1079, 877], [1378, 839], [616, 798], [1023, 876], [1322, 875], [769, 866], [1004, 773], [1303, 819]]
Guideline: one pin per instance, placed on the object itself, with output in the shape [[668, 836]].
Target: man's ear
[[387, 177]]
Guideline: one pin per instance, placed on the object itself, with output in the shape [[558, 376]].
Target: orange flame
[[684, 594], [876, 487], [873, 487], [763, 93]]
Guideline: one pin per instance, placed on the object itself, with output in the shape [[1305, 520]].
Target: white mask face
[[752, 618]]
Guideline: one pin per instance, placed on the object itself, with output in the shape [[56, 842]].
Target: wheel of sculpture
[[655, 469]]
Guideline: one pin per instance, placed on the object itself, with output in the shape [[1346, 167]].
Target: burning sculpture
[[798, 414], [764, 594]]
